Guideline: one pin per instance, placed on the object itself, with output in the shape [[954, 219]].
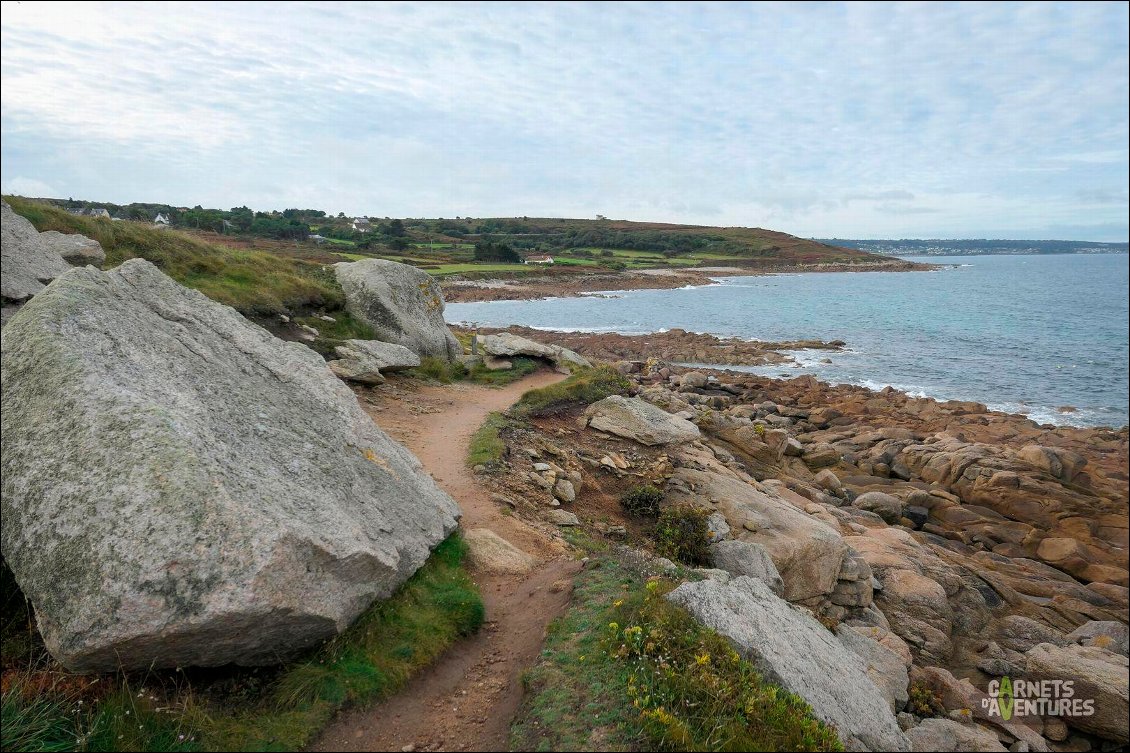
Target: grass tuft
[[446, 372], [583, 387], [45, 708], [487, 447]]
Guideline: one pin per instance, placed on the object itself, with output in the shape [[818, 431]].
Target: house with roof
[[538, 259], [92, 212], [161, 219], [362, 224]]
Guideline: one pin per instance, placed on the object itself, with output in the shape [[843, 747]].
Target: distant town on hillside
[[975, 247]]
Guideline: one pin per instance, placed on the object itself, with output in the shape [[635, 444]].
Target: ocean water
[[1023, 334]]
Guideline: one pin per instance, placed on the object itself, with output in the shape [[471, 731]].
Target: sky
[[981, 120]]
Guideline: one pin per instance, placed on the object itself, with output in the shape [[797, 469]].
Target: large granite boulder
[[75, 248], [1109, 634], [886, 506], [639, 420], [747, 558], [807, 552], [884, 665], [1099, 675], [793, 650], [364, 360], [506, 345], [26, 262], [402, 304], [181, 488], [946, 736]]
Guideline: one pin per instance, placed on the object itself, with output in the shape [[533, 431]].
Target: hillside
[[439, 243]]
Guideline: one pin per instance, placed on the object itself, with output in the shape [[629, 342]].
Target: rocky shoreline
[[574, 281], [674, 345], [945, 544], [215, 495]]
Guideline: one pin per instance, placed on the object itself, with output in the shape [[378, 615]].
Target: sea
[[1023, 334]]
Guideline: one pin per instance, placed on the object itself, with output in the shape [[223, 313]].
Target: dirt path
[[467, 699]]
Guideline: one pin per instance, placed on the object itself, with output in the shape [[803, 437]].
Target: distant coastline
[[977, 247]]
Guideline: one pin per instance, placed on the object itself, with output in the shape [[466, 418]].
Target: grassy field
[[442, 270], [253, 282], [282, 708], [624, 669]]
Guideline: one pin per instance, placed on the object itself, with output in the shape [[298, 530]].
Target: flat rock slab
[[182, 488], [793, 650], [365, 360], [639, 420], [505, 345], [75, 248]]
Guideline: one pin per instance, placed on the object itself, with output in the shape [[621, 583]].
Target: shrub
[[923, 701], [642, 500], [583, 387], [682, 534]]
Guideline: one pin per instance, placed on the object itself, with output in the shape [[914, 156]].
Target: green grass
[[623, 669], [441, 270], [331, 334], [487, 447], [45, 708], [583, 387], [446, 372], [253, 282]]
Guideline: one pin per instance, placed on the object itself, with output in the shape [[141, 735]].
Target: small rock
[[562, 518], [694, 379], [489, 552], [886, 506]]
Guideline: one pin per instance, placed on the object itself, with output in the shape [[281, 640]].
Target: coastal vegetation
[[446, 372], [487, 447], [624, 669], [583, 386], [683, 535], [642, 500], [271, 708], [253, 282], [462, 245]]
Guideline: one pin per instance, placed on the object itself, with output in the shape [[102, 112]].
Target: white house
[[361, 224], [538, 259], [161, 219]]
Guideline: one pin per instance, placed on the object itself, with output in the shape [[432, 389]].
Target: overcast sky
[[856, 120]]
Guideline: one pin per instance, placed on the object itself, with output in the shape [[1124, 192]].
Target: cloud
[[799, 117], [892, 195], [24, 186]]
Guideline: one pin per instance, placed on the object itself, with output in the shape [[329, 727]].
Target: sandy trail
[[466, 699]]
